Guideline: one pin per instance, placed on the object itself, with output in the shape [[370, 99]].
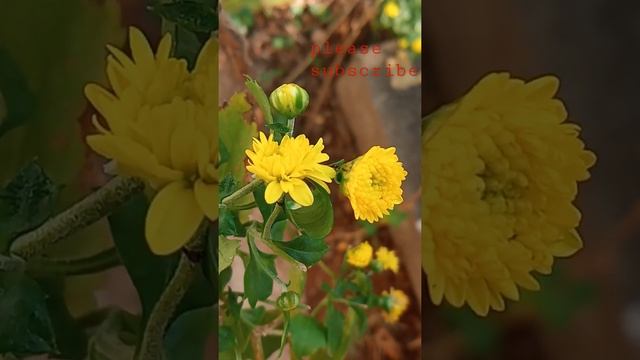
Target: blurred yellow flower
[[416, 45], [403, 43], [387, 259], [372, 182], [360, 255], [399, 302], [162, 127], [286, 166], [500, 172], [391, 9]]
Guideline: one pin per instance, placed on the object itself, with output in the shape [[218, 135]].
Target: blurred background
[[271, 41], [590, 307]]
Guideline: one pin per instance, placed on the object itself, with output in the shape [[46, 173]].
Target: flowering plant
[[281, 215]]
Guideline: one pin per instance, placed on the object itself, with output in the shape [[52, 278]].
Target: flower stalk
[[151, 347], [84, 213], [240, 193]]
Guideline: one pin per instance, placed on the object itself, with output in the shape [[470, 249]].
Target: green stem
[[151, 347], [10, 264], [351, 303], [327, 270], [95, 263], [266, 231], [241, 192], [82, 214], [321, 304], [247, 206]]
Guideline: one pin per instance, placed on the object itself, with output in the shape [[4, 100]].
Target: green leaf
[[226, 339], [223, 279], [196, 16], [307, 335], [261, 99], [236, 135], [259, 316], [304, 249], [69, 336], [315, 220], [25, 203], [25, 325], [258, 277], [188, 335], [334, 321], [229, 223], [226, 252]]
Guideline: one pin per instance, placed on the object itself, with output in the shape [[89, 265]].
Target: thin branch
[[82, 214]]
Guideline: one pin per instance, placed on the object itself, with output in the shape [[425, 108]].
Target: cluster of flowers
[[403, 17], [395, 301], [372, 182]]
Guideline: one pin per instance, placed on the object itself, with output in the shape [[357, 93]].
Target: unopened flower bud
[[288, 301], [290, 100]]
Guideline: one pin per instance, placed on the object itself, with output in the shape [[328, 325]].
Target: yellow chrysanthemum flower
[[499, 175], [391, 9], [387, 259], [416, 45], [399, 302], [373, 183], [286, 166], [360, 255], [162, 127]]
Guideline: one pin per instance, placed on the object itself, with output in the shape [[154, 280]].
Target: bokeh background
[[590, 307]]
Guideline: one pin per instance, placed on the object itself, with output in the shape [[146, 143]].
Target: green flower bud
[[376, 265], [290, 100], [288, 301], [386, 302]]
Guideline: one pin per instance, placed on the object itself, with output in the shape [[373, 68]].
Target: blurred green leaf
[[195, 15], [560, 298], [315, 220], [334, 321], [188, 335], [236, 134], [25, 325], [25, 203], [307, 335], [226, 340], [59, 49], [304, 249], [481, 335]]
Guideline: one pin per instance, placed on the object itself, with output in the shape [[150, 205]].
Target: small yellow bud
[[416, 46]]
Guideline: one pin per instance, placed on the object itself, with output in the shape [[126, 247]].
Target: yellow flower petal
[[273, 192], [207, 197], [172, 219], [301, 193]]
